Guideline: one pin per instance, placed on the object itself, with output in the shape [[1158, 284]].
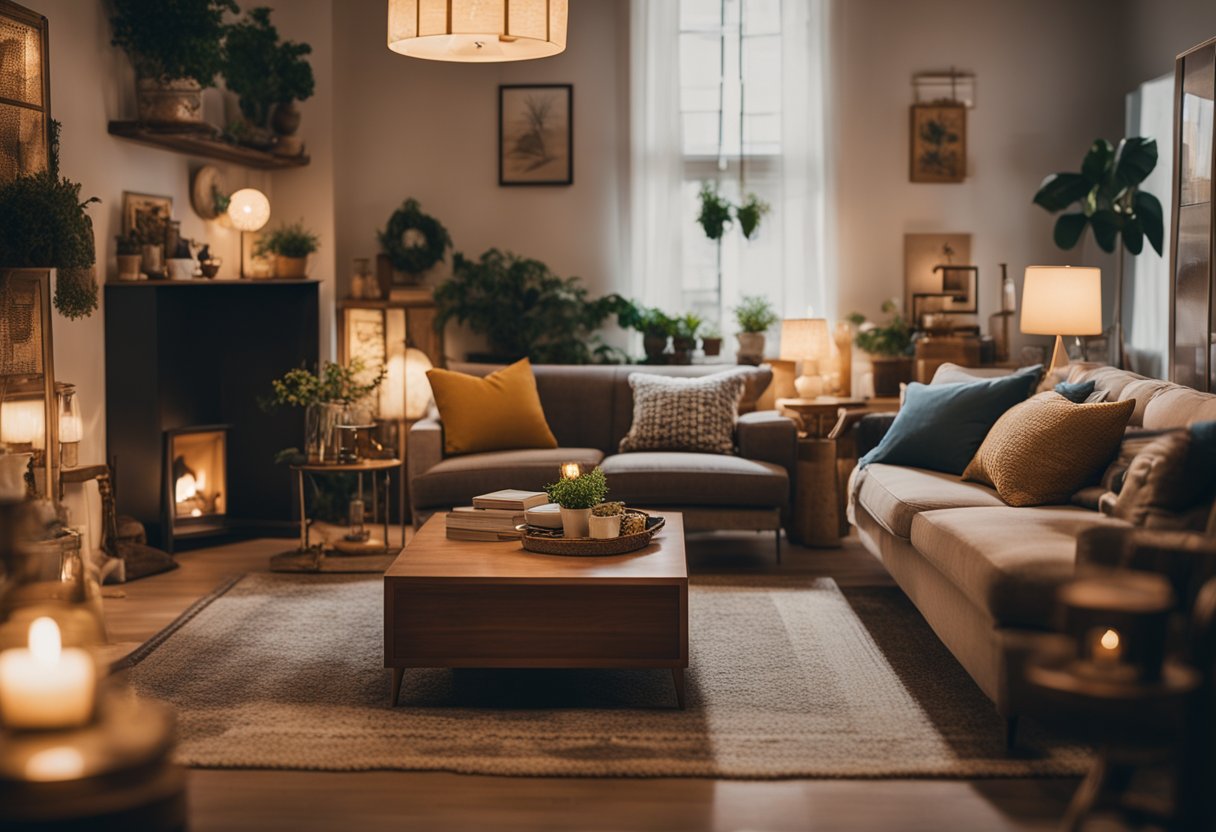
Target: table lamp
[[249, 210], [806, 340], [1061, 300]]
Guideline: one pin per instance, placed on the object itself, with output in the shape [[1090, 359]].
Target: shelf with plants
[[203, 141]]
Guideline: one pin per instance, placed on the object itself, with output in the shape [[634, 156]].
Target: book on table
[[484, 523], [510, 499]]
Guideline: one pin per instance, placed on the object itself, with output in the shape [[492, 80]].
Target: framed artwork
[[25, 92], [938, 142], [149, 207], [937, 277], [536, 134]]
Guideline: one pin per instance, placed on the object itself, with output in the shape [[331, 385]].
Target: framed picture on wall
[[536, 134], [150, 208], [938, 142]]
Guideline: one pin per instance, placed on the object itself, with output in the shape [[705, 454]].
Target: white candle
[[1107, 647], [46, 686]]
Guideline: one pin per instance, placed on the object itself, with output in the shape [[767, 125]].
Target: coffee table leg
[[398, 675], [677, 676]]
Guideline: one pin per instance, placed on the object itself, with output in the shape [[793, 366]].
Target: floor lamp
[[1061, 300]]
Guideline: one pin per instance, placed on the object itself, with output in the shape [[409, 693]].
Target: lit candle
[[1107, 647], [571, 471], [46, 686]]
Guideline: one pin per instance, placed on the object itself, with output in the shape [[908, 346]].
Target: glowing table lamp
[[1061, 300], [249, 210], [477, 31], [806, 340]]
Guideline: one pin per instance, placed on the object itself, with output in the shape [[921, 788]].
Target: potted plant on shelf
[[577, 496], [176, 50], [605, 522], [290, 245], [890, 349], [754, 315], [711, 340], [44, 225], [326, 396], [655, 325], [268, 75], [128, 255], [684, 337]]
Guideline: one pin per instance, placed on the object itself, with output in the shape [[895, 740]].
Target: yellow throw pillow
[[1043, 450], [500, 412]]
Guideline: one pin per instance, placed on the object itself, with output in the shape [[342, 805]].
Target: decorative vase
[[180, 268], [682, 349], [654, 345], [605, 528], [711, 346], [153, 258], [889, 373], [128, 266], [321, 420], [576, 522], [286, 118], [169, 102], [751, 348], [290, 268]]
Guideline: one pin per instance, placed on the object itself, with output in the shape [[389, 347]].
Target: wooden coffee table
[[457, 603]]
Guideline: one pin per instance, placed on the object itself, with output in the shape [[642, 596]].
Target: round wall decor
[[414, 241]]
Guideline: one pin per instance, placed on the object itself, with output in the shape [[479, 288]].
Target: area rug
[[788, 678]]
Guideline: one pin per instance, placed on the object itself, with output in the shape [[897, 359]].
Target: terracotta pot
[[751, 347], [576, 522], [683, 347], [605, 528], [128, 266], [654, 345], [290, 268], [711, 346], [889, 373], [286, 118], [179, 101]]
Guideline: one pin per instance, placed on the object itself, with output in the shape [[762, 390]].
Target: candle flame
[[45, 643], [55, 764], [571, 470], [1109, 640]]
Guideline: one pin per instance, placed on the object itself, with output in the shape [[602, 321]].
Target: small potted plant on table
[[577, 496], [606, 520], [755, 315], [290, 245], [890, 349], [129, 256], [684, 339]]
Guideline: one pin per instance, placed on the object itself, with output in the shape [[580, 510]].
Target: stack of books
[[493, 516]]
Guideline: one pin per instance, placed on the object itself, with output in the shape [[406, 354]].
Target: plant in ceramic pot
[[326, 397], [268, 75], [176, 49], [605, 522], [889, 346], [290, 245], [654, 324], [128, 256], [577, 496], [711, 340], [684, 337], [755, 316]]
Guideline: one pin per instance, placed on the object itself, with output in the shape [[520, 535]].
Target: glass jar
[[321, 421]]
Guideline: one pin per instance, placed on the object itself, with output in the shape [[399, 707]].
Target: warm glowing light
[[249, 209], [186, 488], [55, 764], [479, 31], [571, 471], [45, 643], [196, 512], [417, 386], [23, 422], [1109, 640]]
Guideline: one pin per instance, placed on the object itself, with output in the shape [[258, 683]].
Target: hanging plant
[[414, 241], [750, 213], [715, 211]]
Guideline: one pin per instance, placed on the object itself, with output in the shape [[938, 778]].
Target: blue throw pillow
[[941, 426], [1076, 392]]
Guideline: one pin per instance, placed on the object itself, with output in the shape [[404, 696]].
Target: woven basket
[[551, 541]]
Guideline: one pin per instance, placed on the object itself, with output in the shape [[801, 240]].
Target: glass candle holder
[[1119, 623]]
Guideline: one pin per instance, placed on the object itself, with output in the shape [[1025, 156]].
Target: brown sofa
[[590, 409], [982, 573]]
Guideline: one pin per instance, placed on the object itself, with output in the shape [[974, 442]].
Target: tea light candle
[[1107, 647], [571, 471], [46, 686]]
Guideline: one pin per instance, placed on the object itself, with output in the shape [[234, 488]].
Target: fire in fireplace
[[196, 478]]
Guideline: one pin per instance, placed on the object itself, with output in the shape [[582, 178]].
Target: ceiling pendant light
[[477, 31]]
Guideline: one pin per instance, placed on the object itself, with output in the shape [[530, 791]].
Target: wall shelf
[[203, 141]]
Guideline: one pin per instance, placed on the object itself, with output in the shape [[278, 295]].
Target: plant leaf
[[1135, 160], [1133, 236], [1098, 161], [1150, 216], [1106, 225], [1059, 190], [1069, 228]]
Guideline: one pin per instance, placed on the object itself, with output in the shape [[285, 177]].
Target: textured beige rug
[[787, 679]]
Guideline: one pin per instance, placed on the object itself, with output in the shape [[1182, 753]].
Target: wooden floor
[[268, 800]]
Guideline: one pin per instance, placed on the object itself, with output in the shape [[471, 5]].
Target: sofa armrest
[[424, 447], [1187, 559], [870, 430], [767, 436]]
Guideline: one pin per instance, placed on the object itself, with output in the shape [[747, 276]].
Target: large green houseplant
[[268, 75], [1106, 197], [176, 49]]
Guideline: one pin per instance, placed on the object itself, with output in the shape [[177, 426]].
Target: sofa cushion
[[457, 480], [1170, 482], [684, 414], [499, 412], [674, 478], [893, 495], [1007, 561]]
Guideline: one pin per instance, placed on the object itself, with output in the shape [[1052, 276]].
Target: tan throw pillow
[[1042, 450], [500, 412], [684, 414], [1167, 486]]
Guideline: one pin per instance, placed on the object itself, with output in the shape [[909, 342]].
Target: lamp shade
[[805, 338], [417, 386], [478, 31], [249, 209], [1062, 300]]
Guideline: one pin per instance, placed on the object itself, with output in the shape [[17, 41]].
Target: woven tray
[[552, 542]]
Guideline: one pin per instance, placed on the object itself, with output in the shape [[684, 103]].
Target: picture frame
[[937, 141], [535, 134], [134, 204], [924, 287], [25, 92]]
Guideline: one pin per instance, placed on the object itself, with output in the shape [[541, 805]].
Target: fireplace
[[196, 481]]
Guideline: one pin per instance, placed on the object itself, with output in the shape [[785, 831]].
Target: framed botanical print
[[536, 134], [25, 92], [938, 142]]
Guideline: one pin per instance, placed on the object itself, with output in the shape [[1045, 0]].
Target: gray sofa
[[982, 573], [590, 409]]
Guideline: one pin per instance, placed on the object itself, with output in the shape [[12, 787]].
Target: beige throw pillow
[[684, 414]]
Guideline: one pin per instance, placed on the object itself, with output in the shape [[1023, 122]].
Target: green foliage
[[524, 309], [584, 491], [608, 509], [127, 244], [715, 211], [414, 256], [755, 314], [288, 241], [688, 325], [333, 383], [263, 70], [643, 319], [1109, 197], [891, 339], [749, 214], [172, 39]]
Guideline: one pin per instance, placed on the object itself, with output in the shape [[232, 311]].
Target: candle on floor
[[571, 471], [46, 686]]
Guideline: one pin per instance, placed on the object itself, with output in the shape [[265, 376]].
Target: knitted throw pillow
[[684, 414], [1042, 450]]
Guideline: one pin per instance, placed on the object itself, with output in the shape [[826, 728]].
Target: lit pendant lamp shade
[[1062, 300], [477, 31], [249, 209]]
